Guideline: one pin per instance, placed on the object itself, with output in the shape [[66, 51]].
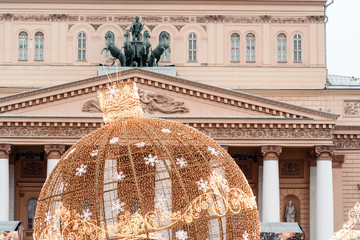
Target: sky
[[343, 38]]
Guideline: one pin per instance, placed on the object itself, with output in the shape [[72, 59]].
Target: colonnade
[[321, 187]]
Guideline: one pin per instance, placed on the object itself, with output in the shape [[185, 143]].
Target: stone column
[[324, 192], [5, 150], [312, 162], [53, 154], [271, 187]]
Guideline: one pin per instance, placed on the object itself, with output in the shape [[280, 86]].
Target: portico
[[270, 140]]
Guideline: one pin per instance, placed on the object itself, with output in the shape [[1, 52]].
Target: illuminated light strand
[[228, 200], [103, 188], [347, 232]]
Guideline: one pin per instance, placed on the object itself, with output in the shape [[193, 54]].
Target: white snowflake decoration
[[112, 91], [94, 153], [81, 170], [114, 140], [140, 144], [181, 235], [86, 215], [152, 160], [118, 206], [245, 236], [213, 151], [72, 150], [118, 176], [165, 130], [203, 185], [181, 162], [47, 218]]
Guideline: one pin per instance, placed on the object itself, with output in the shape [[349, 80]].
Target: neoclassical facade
[[250, 74]]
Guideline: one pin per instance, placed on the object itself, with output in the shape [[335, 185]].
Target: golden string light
[[347, 232], [142, 178]]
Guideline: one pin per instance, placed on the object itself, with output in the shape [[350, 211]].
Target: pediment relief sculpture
[[151, 103]]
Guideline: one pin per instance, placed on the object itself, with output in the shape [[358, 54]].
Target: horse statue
[[129, 50], [145, 49], [114, 50], [159, 50]]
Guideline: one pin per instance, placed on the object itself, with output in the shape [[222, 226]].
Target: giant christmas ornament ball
[[145, 178]]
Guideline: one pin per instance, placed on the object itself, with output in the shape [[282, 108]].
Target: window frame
[[23, 46], [235, 48], [281, 48], [191, 49], [33, 212], [297, 51], [39, 48], [250, 53], [81, 49]]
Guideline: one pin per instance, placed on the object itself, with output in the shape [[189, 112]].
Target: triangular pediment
[[161, 95]]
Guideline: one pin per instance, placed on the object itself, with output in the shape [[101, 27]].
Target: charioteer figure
[[136, 28]]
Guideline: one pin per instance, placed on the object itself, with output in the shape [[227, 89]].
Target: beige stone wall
[[213, 28], [336, 101]]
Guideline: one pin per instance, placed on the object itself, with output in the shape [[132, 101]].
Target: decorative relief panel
[[352, 108], [92, 106], [347, 143], [158, 19], [267, 133], [291, 168], [150, 102], [32, 168], [153, 102]]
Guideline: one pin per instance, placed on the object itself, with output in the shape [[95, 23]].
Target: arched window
[[39, 46], [235, 47], [165, 57], [281, 47], [297, 48], [107, 53], [81, 46], [250, 47], [192, 47], [31, 209], [23, 46]]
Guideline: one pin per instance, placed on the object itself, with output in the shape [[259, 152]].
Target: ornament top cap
[[119, 101]]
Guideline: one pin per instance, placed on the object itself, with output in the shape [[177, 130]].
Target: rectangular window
[[39, 47], [297, 48], [192, 48], [23, 49]]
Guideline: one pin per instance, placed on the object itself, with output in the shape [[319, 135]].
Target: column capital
[[54, 151], [271, 152], [324, 152], [338, 160], [5, 150]]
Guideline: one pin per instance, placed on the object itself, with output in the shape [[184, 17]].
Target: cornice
[[221, 132], [250, 102], [200, 19]]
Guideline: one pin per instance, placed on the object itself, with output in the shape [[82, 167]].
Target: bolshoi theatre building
[[250, 74]]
